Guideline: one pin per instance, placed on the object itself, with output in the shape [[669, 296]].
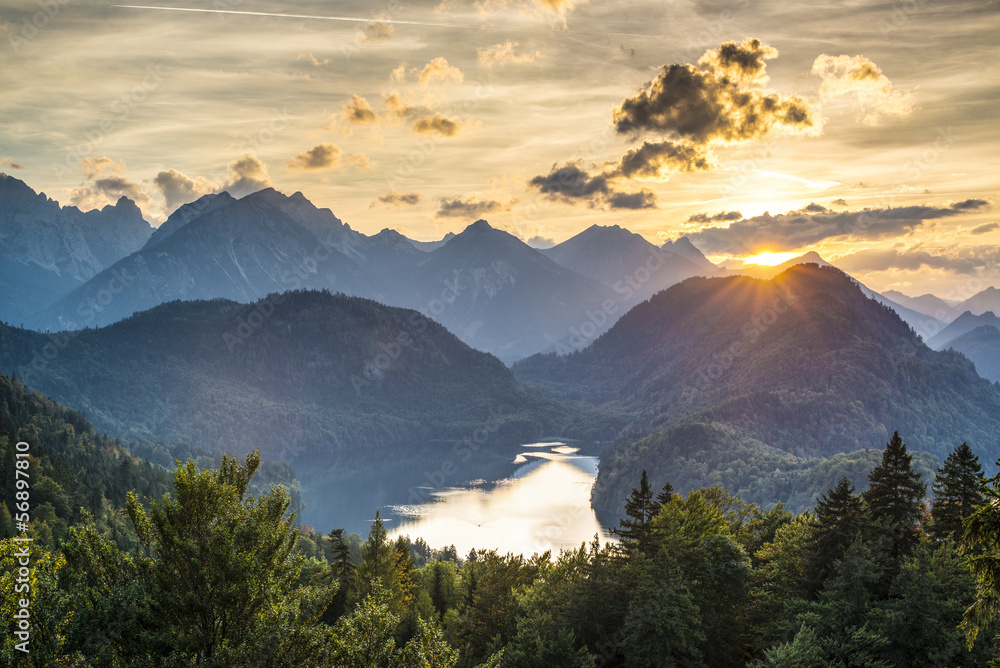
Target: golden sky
[[864, 130]]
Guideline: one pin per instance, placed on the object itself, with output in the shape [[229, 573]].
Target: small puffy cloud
[[397, 108], [654, 160], [720, 99], [966, 260], [313, 59], [984, 228], [9, 162], [397, 199], [178, 189], [798, 229], [715, 217], [357, 111], [538, 241], [360, 160], [437, 124], [505, 54], [571, 183], [857, 75], [438, 70], [472, 208], [94, 167], [398, 74], [376, 31], [839, 202], [322, 156], [247, 175]]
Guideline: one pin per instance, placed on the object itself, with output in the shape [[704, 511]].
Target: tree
[[895, 496], [958, 491], [840, 517], [343, 570], [981, 541], [634, 530], [380, 560]]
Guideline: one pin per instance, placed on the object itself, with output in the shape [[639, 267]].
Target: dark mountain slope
[[982, 346], [304, 371], [803, 364]]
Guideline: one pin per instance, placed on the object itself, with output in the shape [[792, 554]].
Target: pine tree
[[840, 517], [667, 493], [343, 569], [635, 530], [895, 496], [958, 491]]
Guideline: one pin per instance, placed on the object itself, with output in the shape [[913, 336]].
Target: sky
[[866, 131]]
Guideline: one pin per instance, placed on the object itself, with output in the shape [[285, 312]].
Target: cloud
[[798, 229], [357, 111], [437, 124], [397, 199], [984, 228], [538, 241], [398, 74], [570, 183], [247, 175], [322, 156], [108, 190], [438, 70], [967, 260], [971, 205], [857, 75], [839, 202], [720, 99], [656, 160], [399, 109], [376, 31], [178, 189], [94, 167], [504, 54], [9, 162], [313, 59], [715, 217], [472, 207]]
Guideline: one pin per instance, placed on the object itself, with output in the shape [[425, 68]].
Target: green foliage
[[958, 491], [895, 496]]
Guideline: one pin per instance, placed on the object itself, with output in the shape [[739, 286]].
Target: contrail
[[352, 19]]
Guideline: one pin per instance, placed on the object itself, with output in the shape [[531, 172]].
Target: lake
[[525, 498]]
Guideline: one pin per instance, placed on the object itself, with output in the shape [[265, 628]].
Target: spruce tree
[[958, 491], [895, 496], [634, 531], [665, 494], [840, 517], [342, 569]]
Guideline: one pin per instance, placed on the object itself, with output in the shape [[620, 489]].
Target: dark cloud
[[322, 156], [812, 207], [108, 189], [437, 124], [984, 228], [471, 208], [721, 216], [798, 229], [397, 199], [721, 98], [9, 162], [967, 260], [971, 205], [570, 183], [839, 202], [358, 112], [653, 160]]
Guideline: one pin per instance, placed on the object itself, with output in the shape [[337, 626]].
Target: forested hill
[[302, 371], [731, 379]]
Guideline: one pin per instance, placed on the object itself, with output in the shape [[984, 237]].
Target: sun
[[769, 259]]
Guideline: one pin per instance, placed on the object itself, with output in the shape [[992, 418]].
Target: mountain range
[[299, 372], [47, 250], [754, 383]]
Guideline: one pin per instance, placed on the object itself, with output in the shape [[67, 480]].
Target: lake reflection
[[544, 504], [518, 498]]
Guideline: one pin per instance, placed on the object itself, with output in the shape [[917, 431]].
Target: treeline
[[220, 576]]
